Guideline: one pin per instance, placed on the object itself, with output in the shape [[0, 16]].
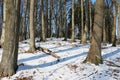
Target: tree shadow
[[70, 49], [33, 58], [44, 55], [111, 54], [51, 63]]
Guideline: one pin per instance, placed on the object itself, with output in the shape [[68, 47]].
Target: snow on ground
[[40, 66]]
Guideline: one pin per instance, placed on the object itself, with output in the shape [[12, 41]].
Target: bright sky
[[93, 1]]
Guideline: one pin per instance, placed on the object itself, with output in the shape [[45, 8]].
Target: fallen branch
[[49, 52], [112, 64]]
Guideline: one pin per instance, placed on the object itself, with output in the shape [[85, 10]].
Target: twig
[[90, 75], [112, 64]]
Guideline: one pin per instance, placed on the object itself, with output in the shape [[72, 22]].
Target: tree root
[[112, 64], [6, 72]]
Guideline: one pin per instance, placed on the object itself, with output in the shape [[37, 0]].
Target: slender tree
[[73, 26], [114, 25], [84, 27], [119, 25], [42, 20], [65, 26], [94, 54], [50, 20], [8, 65], [24, 21], [32, 28]]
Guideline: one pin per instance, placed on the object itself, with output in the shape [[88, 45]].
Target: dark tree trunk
[[65, 26], [42, 21]]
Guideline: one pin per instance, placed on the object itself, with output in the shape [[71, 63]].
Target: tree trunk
[[94, 54], [46, 18], [90, 17], [50, 26], [119, 25], [8, 65], [114, 29], [65, 26], [35, 17], [73, 27], [42, 20], [32, 28], [24, 22], [84, 27], [104, 33]]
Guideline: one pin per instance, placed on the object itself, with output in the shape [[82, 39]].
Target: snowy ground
[[40, 66]]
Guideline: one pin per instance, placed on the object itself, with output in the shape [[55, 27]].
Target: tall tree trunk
[[119, 25], [65, 26], [114, 32], [42, 20], [61, 19], [35, 17], [58, 19], [114, 28], [8, 65], [73, 26], [47, 18], [24, 22], [32, 28], [94, 54], [50, 26], [84, 27], [90, 19]]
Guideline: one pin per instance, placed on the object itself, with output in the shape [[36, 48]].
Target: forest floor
[[41, 66]]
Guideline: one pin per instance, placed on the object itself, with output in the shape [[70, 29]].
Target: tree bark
[[119, 25], [84, 27], [94, 54], [73, 26], [3, 24], [8, 65], [65, 26], [42, 20], [32, 28], [50, 26]]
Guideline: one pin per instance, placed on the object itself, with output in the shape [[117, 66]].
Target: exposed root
[[112, 63]]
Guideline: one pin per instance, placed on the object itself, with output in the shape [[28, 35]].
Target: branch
[[112, 64], [49, 52]]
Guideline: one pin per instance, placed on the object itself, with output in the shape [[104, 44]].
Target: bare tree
[[84, 27], [119, 24], [32, 28], [42, 20], [94, 54], [114, 25], [73, 26], [65, 26], [8, 65]]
